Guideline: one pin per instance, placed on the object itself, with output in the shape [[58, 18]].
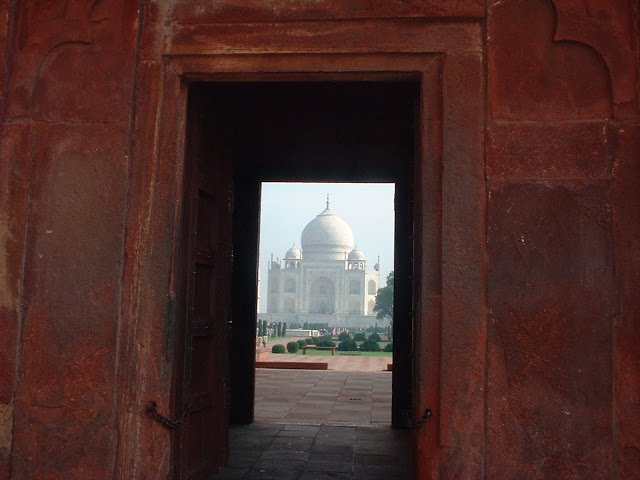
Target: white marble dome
[[327, 237], [357, 255], [293, 254]]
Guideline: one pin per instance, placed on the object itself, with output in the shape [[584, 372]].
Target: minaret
[[258, 300]]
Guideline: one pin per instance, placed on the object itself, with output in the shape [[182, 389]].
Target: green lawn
[[328, 353], [356, 353], [382, 344], [285, 340]]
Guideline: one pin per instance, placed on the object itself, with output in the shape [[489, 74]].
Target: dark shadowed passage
[[311, 452]]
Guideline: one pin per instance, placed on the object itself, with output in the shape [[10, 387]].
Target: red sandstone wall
[[563, 226], [562, 222], [65, 141]]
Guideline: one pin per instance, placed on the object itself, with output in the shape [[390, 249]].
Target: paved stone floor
[[273, 451], [316, 425], [323, 397]]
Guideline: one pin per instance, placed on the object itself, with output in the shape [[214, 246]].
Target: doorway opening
[[239, 135], [324, 338]]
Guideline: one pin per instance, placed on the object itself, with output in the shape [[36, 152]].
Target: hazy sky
[[288, 207]]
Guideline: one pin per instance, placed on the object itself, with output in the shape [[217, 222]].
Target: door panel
[[202, 438]]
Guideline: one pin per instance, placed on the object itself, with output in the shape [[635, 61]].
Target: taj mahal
[[324, 281]]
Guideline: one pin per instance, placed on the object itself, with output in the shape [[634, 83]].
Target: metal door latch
[[152, 412], [424, 419]]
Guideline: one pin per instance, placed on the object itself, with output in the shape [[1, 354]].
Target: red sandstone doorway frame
[[449, 263]]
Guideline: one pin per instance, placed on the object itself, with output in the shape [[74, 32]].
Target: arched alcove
[[290, 285], [322, 296]]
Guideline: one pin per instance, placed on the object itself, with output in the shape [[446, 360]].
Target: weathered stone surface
[[101, 69], [389, 35], [533, 77], [606, 27], [72, 288], [6, 409], [6, 427], [40, 29], [428, 313], [552, 303], [463, 270], [14, 159], [56, 32], [14, 172], [548, 150], [143, 445], [103, 78], [202, 11], [626, 216], [4, 27], [559, 367]]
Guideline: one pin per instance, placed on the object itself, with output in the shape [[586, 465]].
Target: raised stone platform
[[294, 365]]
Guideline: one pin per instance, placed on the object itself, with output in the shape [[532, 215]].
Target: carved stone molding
[[607, 27]]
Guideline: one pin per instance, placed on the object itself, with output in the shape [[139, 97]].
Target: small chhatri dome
[[356, 254], [326, 237], [293, 253]]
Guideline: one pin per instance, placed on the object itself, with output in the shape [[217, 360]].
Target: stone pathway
[[317, 425], [269, 451], [323, 397]]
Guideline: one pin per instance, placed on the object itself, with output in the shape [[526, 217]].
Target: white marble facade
[[325, 281]]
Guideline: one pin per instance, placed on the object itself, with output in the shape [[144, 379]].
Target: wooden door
[[203, 380]]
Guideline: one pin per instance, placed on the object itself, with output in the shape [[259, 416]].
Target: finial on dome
[[327, 200]]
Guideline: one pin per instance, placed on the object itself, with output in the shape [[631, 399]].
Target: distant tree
[[347, 345], [384, 302], [324, 342], [359, 337], [374, 337], [344, 336], [279, 329], [284, 329], [370, 346]]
